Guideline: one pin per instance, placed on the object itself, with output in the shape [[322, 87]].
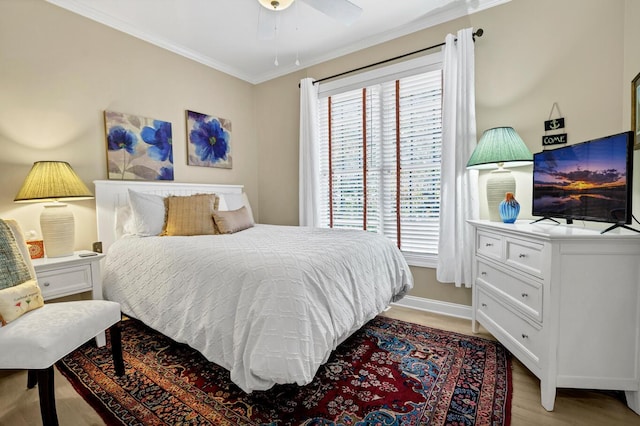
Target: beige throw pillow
[[18, 300], [190, 215], [228, 222]]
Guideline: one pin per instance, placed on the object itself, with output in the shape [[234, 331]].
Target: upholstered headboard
[[111, 194]]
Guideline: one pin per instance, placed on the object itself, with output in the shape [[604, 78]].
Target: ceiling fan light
[[276, 5]]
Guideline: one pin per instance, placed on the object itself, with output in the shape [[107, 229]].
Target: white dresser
[[564, 300]]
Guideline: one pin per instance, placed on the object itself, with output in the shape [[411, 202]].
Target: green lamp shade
[[500, 146]]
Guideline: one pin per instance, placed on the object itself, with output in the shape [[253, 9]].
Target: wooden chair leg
[[116, 349], [47, 397], [32, 378]]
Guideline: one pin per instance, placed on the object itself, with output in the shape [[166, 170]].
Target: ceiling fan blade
[[267, 22], [341, 10]]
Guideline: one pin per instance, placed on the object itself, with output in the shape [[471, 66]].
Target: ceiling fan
[[342, 11]]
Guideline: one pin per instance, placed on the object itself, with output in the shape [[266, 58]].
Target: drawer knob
[[46, 284], [522, 255], [488, 244], [483, 273], [484, 305], [525, 336], [525, 295]]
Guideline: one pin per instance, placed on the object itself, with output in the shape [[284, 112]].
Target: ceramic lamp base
[[58, 230], [499, 183]]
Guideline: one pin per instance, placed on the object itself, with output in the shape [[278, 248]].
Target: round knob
[[525, 295], [46, 284], [521, 255], [488, 244], [483, 273], [524, 336], [484, 305]]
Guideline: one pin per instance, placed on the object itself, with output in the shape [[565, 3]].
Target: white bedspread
[[269, 303]]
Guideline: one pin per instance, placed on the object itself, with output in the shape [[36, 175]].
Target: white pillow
[[124, 221], [148, 213], [222, 203]]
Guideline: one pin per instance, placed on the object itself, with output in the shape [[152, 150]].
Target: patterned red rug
[[389, 373]]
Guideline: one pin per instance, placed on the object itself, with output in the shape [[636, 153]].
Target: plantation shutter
[[380, 161]]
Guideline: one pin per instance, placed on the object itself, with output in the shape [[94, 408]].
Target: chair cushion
[[41, 337]]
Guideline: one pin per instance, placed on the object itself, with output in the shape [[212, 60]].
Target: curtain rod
[[477, 33]]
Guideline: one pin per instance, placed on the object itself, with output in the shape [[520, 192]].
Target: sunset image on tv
[[583, 181]]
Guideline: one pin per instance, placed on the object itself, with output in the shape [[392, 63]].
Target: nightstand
[[64, 276]]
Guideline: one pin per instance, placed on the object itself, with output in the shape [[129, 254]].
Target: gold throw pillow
[[190, 215]]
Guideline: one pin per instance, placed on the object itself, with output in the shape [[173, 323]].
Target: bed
[[268, 303]]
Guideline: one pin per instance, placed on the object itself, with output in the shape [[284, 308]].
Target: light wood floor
[[19, 406]]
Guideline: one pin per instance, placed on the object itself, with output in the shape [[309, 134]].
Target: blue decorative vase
[[509, 208]]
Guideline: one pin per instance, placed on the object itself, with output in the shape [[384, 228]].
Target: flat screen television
[[586, 181]]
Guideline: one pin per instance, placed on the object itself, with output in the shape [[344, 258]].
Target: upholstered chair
[[36, 339]]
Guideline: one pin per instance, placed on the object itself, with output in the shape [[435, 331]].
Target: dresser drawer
[[489, 245], [64, 281], [522, 336], [526, 294], [525, 256]]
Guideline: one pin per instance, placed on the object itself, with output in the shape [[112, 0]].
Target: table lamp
[[498, 148], [54, 181]]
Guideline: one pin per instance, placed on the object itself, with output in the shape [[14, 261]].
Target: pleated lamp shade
[[498, 148], [54, 181]]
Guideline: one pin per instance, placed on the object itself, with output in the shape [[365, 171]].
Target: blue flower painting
[[209, 140], [138, 148]]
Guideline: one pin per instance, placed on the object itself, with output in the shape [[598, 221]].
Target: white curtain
[[459, 186], [309, 192]]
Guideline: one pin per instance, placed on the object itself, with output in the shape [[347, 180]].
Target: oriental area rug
[[390, 372]]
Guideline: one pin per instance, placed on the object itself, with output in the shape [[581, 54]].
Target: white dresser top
[[550, 230]]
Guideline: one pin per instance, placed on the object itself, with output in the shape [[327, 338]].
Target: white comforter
[[269, 303]]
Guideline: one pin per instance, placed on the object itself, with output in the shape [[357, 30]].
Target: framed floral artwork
[[635, 110], [209, 140], [138, 148]]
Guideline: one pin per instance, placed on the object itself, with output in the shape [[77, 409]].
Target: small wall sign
[[554, 124], [554, 139]]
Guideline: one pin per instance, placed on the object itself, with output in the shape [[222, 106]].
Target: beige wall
[[60, 71], [533, 53]]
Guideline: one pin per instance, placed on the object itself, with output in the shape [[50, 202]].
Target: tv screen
[[585, 181]]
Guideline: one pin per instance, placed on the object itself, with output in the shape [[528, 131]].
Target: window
[[380, 151]]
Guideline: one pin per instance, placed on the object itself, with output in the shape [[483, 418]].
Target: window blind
[[380, 160]]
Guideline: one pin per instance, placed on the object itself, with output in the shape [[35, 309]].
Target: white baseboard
[[435, 306]]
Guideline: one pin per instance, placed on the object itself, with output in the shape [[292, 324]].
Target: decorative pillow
[[148, 213], [232, 221], [190, 215], [13, 267], [18, 300], [235, 201]]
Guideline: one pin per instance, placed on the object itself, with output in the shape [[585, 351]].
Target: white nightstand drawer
[[524, 255], [489, 245], [65, 281], [526, 338], [526, 294]]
